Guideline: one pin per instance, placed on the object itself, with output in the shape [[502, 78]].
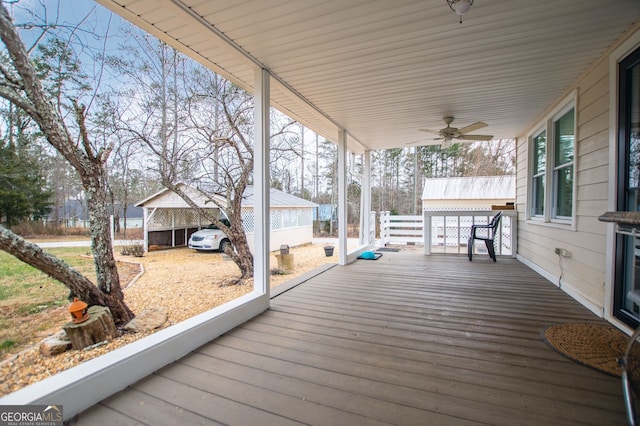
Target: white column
[[112, 230], [261, 182], [342, 196], [173, 228], [365, 224], [145, 228], [426, 230]]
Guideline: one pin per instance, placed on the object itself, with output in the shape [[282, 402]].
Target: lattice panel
[[289, 218], [305, 217], [248, 221], [202, 220], [277, 219], [280, 219], [183, 217], [160, 219]]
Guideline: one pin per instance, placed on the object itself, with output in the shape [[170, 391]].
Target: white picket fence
[[400, 229], [448, 231]]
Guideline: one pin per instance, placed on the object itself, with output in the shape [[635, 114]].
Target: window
[[539, 169], [553, 146], [563, 140]]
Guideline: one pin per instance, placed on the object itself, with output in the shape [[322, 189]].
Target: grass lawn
[[31, 303]]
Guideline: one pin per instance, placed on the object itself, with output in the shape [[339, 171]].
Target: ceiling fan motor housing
[[449, 133]]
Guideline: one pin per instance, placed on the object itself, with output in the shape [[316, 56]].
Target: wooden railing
[[448, 231], [396, 229]]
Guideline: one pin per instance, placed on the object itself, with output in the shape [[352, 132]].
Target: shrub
[[136, 250], [29, 228]]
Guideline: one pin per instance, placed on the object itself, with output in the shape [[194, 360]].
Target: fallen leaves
[[172, 279]]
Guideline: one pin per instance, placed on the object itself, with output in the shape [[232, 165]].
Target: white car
[[210, 238]]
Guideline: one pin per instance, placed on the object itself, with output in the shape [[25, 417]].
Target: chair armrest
[[474, 228], [482, 226]]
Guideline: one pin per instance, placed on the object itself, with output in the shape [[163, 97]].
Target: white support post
[[342, 196], [261, 182], [426, 230], [112, 230], [372, 229], [173, 228], [145, 227], [366, 199]]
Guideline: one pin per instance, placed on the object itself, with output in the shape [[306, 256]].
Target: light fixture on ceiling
[[460, 7]]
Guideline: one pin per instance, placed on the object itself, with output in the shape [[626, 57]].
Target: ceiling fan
[[449, 133]]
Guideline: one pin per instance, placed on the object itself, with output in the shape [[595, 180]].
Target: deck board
[[407, 340]]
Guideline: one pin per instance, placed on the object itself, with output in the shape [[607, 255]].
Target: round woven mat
[[596, 346]]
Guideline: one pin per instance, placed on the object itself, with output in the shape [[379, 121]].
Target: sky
[[68, 12], [88, 21]]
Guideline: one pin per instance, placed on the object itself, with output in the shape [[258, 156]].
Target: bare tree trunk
[[101, 244], [30, 96], [57, 269], [95, 182], [241, 256]]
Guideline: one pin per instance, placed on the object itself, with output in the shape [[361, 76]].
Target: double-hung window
[[539, 171], [563, 141], [551, 180]]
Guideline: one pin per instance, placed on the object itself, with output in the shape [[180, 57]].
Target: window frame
[[538, 175], [552, 171]]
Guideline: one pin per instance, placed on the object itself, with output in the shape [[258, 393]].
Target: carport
[[169, 221]]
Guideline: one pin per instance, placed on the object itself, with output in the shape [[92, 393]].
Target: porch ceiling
[[383, 69]]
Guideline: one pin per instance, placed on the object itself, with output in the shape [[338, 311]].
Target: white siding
[[289, 236], [583, 274]]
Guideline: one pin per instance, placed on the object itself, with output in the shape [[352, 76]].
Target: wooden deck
[[407, 340]]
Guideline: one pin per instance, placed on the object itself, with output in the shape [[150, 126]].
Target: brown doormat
[[596, 346]]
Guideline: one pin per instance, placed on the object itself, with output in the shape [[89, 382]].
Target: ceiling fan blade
[[435, 132], [475, 137], [472, 127], [427, 142]]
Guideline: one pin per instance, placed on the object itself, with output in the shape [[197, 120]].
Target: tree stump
[[98, 328], [285, 262]]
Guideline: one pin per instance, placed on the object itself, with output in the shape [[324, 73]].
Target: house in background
[[75, 214], [169, 221], [468, 193]]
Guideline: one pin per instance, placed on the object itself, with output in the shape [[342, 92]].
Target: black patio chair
[[631, 377], [490, 231]]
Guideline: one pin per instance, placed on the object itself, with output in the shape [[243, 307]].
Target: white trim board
[[83, 386], [567, 288]]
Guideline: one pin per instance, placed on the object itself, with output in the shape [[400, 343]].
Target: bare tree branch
[[89, 166], [15, 98]]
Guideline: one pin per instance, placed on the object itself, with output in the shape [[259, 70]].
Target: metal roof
[[165, 198], [168, 199], [470, 188], [277, 198], [384, 69]]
